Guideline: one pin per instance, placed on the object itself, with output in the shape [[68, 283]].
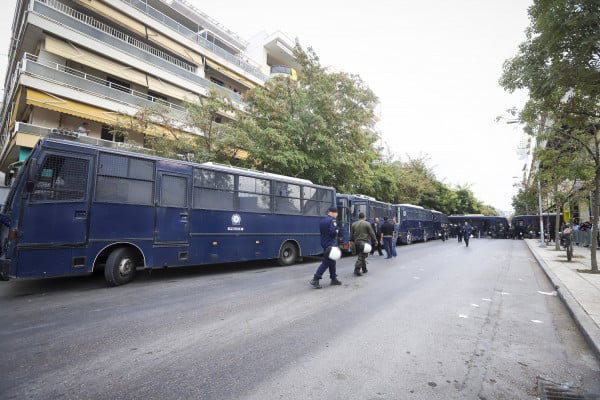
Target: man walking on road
[[361, 233], [466, 232], [329, 237]]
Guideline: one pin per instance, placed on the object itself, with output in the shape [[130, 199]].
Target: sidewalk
[[579, 291]]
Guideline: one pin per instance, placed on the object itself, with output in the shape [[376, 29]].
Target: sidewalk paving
[[579, 291]]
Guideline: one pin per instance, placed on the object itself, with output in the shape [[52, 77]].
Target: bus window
[[173, 191], [123, 179], [61, 179], [254, 194], [213, 190], [287, 198], [316, 201]]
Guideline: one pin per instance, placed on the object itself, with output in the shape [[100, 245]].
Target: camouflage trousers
[[361, 261]]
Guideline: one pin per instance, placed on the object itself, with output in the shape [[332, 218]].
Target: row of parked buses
[[528, 226], [414, 223], [489, 226], [75, 206]]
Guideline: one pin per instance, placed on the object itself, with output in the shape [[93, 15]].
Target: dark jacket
[[466, 230], [387, 228], [377, 230], [328, 228]]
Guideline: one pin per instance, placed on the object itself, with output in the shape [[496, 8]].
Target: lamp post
[[539, 184], [543, 242]]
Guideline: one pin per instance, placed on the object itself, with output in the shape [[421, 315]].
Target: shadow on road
[[95, 281]]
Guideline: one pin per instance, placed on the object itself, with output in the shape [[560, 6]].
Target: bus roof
[[78, 142], [408, 205]]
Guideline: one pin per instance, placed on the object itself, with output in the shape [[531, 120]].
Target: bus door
[[56, 212], [172, 210], [343, 223]]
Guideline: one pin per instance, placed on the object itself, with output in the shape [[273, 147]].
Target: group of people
[[365, 238]]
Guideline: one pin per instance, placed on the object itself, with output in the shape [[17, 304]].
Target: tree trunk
[[557, 227], [594, 243]]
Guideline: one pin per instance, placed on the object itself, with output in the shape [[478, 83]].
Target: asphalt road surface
[[440, 321]]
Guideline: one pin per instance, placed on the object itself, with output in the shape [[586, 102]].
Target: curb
[[583, 321]]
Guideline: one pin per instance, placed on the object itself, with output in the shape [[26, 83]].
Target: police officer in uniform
[[329, 238]]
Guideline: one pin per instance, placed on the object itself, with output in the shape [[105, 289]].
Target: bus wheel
[[120, 267], [408, 238], [288, 254]]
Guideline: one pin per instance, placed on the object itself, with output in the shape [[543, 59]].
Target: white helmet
[[335, 253], [367, 248]]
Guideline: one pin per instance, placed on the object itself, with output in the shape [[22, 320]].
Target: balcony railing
[[115, 33], [91, 83], [195, 37], [89, 26], [64, 134]]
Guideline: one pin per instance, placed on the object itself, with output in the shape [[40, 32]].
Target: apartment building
[[93, 61]]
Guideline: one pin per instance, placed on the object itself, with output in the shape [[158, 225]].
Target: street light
[[543, 242], [539, 184]]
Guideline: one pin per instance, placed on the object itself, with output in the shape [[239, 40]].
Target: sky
[[433, 64]]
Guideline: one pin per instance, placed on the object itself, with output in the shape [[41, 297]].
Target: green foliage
[[559, 64], [320, 128]]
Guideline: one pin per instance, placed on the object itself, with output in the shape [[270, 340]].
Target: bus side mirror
[[30, 183]]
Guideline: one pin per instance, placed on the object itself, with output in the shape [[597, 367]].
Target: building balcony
[[117, 40], [91, 85], [197, 37], [283, 70]]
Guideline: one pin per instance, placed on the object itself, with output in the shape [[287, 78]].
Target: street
[[441, 321]]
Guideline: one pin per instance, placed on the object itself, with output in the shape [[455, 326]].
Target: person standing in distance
[[466, 232], [387, 230], [395, 236], [82, 130], [329, 238], [361, 233], [378, 244]]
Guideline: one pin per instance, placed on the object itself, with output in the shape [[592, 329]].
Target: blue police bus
[[350, 206], [440, 224], [491, 226], [415, 223], [76, 207], [528, 226]]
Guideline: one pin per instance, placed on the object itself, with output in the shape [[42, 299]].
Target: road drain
[[554, 391]]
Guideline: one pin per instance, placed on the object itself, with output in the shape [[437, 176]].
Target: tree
[[193, 134], [559, 63], [320, 127], [216, 140]]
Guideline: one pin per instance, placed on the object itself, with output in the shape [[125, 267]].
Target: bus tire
[[408, 238], [288, 254], [120, 267]]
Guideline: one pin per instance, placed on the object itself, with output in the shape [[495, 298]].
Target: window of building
[[118, 84], [157, 97], [107, 133], [218, 82]]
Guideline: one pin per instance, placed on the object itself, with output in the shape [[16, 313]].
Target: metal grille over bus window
[[61, 179], [123, 179]]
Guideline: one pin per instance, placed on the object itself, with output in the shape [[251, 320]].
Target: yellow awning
[[55, 103]]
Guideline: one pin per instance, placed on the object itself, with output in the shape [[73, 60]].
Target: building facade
[[77, 66]]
